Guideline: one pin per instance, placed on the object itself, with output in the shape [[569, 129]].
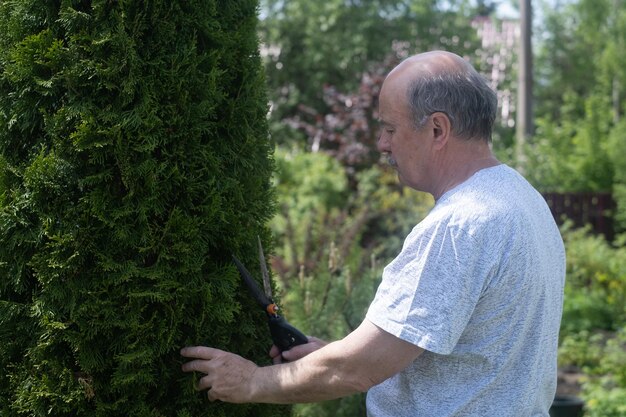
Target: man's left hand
[[228, 376]]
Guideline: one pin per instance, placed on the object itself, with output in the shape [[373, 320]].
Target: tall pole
[[524, 128]]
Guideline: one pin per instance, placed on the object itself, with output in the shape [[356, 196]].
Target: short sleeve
[[428, 293]]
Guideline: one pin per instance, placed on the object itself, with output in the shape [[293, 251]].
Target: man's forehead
[[392, 112]]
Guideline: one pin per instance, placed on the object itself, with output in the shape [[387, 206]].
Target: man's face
[[407, 148]]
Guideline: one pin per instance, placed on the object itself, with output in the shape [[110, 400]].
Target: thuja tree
[[134, 160]]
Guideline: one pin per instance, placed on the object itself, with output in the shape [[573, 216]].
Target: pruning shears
[[284, 335]]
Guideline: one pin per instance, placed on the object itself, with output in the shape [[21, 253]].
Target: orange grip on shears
[[272, 309]]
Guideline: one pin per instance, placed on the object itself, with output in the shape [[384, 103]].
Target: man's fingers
[[275, 354], [292, 355], [205, 382], [202, 355], [211, 395], [296, 352], [196, 366], [227, 376], [199, 352], [274, 351], [300, 351]]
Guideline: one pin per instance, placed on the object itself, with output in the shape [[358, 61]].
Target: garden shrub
[[595, 288], [593, 330], [134, 159]]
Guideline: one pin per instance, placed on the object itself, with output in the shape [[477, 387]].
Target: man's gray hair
[[463, 96]]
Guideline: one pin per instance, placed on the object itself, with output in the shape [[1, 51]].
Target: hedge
[[134, 159]]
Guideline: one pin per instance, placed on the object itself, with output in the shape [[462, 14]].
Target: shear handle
[[284, 335]]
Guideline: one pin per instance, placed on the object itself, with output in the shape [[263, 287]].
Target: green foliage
[[353, 33], [602, 357], [573, 154], [595, 289], [573, 37], [581, 74], [593, 331], [332, 245], [617, 141], [134, 160]]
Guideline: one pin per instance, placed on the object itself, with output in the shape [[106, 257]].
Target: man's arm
[[364, 358]]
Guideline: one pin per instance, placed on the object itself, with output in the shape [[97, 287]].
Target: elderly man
[[465, 321]]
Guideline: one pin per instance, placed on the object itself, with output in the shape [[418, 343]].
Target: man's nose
[[382, 144]]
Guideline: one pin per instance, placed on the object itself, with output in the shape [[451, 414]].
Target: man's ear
[[441, 129]]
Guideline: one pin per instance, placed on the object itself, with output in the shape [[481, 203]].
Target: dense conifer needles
[[134, 159]]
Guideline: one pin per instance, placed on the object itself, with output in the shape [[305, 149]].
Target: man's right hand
[[296, 352]]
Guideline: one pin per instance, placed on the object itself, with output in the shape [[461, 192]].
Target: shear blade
[[254, 288], [264, 273]]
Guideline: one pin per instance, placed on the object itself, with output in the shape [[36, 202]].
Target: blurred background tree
[[579, 96], [309, 45]]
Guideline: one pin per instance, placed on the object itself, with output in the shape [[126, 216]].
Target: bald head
[[430, 63], [441, 81]]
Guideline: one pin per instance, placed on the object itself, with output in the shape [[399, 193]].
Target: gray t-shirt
[[479, 286]]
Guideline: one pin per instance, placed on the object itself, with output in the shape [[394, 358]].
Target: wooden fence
[[593, 209]]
